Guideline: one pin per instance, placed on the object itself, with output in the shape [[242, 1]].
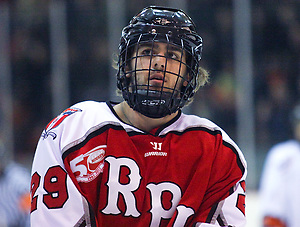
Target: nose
[[158, 62]]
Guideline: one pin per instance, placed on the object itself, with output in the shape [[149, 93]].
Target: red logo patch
[[88, 166]]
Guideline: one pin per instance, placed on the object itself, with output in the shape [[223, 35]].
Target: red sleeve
[[226, 182]]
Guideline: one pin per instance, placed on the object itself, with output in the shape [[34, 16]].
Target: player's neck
[[138, 120]]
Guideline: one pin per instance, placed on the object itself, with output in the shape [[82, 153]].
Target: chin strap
[[154, 105]]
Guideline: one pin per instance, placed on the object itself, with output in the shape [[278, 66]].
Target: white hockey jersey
[[280, 183]]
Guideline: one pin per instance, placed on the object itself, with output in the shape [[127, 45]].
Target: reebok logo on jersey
[[88, 166]]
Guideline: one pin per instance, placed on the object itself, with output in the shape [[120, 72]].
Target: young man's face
[[159, 67]]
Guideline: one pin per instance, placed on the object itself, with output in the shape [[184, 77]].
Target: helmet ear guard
[[158, 25]]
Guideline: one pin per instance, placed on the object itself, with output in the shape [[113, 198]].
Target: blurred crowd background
[[275, 41]]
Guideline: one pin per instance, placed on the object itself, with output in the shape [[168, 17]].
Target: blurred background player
[[14, 192], [280, 182]]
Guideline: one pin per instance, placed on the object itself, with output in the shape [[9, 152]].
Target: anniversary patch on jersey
[[57, 121], [86, 167]]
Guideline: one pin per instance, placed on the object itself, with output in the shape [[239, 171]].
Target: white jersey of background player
[[141, 162], [280, 182]]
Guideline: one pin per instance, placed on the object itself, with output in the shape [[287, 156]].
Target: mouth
[[158, 77]]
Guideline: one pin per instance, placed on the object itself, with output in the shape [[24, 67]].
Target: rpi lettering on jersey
[[158, 212]]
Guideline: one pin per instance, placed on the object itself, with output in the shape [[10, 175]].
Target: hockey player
[[141, 162], [279, 185]]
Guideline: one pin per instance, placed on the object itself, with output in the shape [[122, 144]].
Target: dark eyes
[[170, 54], [147, 51], [173, 55]]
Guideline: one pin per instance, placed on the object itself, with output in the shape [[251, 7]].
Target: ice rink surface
[[252, 209]]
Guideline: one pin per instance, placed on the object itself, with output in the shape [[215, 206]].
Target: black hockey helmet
[[158, 25]]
